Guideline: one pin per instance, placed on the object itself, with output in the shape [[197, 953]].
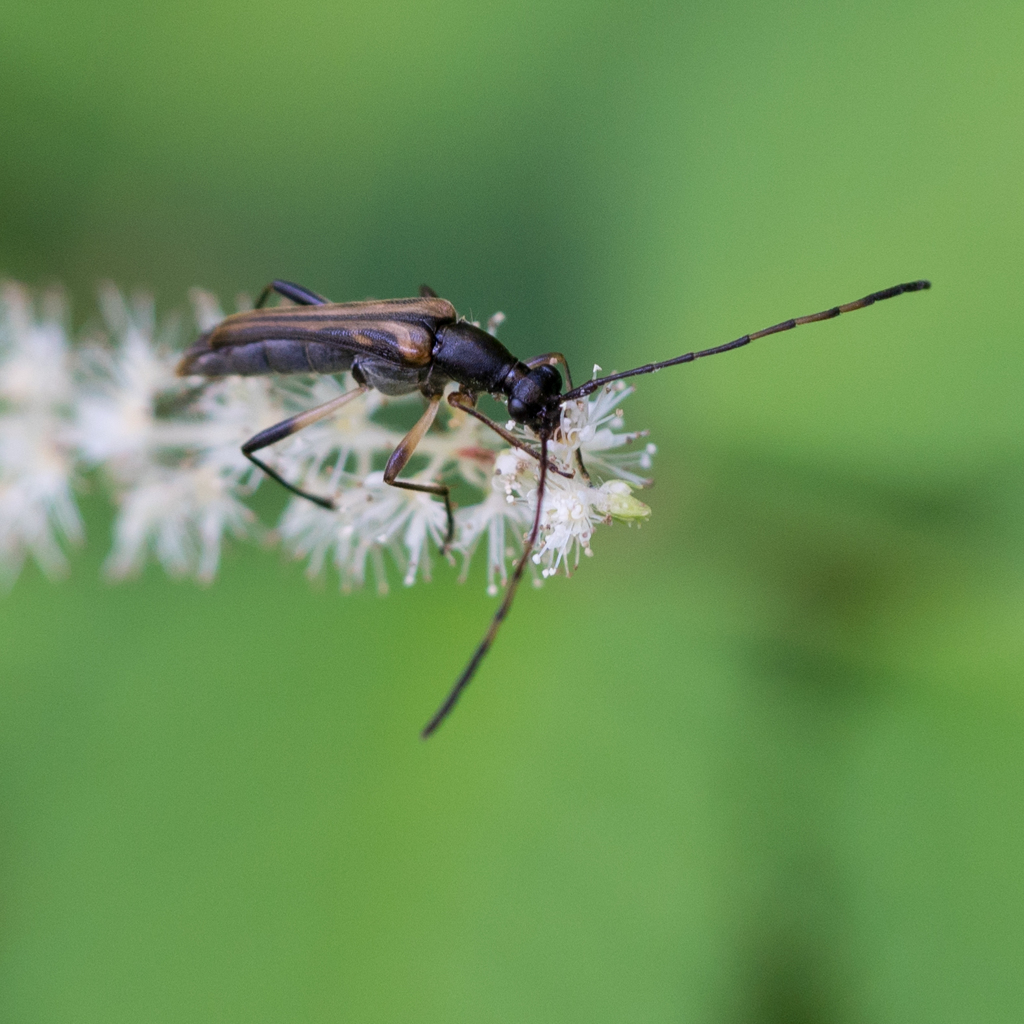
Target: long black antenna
[[787, 325], [510, 592]]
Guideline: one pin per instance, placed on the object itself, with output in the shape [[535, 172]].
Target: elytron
[[399, 346]]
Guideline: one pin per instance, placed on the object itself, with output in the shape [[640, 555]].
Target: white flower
[[497, 515], [181, 516], [371, 518], [572, 511], [594, 425], [34, 372], [115, 414], [573, 505], [37, 508], [171, 449]]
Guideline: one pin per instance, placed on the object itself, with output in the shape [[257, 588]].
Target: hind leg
[[279, 431], [295, 292]]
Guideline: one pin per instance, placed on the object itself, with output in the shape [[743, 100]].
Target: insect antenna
[[787, 325], [510, 592]]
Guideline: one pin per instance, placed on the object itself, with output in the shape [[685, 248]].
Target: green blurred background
[[761, 761]]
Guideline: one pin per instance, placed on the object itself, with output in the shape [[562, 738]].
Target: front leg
[[466, 401], [400, 457]]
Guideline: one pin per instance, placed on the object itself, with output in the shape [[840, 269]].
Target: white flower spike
[[169, 451]]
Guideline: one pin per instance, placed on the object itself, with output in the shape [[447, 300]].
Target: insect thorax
[[473, 358]]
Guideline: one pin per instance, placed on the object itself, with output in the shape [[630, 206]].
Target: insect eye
[[519, 410], [531, 393], [548, 379]]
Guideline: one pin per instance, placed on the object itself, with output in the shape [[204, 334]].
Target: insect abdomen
[[267, 356]]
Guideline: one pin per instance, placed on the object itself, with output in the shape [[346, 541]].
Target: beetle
[[399, 346]]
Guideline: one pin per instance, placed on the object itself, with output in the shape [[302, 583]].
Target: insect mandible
[[399, 346]]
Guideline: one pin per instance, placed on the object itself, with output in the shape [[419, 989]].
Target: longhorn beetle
[[403, 345]]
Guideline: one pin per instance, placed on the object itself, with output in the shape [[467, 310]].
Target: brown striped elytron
[[399, 346]]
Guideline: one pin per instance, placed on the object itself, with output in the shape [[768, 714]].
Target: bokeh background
[[761, 761]]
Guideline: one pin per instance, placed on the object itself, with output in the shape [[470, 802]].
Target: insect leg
[[499, 616], [401, 455], [786, 325], [295, 292], [465, 401], [279, 431]]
